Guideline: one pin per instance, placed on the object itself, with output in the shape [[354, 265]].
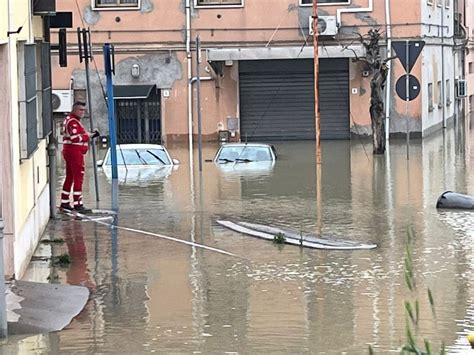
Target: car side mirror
[[100, 163], [175, 161]]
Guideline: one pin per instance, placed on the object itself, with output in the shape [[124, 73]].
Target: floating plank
[[292, 237], [94, 215]]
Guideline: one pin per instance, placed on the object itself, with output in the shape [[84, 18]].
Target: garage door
[[277, 99]]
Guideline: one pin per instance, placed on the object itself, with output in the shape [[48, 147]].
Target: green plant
[[62, 260], [412, 309], [52, 278], [279, 238]]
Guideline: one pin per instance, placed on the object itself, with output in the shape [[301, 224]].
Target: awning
[[122, 92], [258, 53]]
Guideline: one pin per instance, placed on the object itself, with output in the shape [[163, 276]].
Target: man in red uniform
[[75, 145]]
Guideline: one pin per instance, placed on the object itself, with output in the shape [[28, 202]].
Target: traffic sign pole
[[109, 64], [408, 53], [407, 96]]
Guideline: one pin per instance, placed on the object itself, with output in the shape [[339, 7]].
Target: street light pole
[[317, 117]]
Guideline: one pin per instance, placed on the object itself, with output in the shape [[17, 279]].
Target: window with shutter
[[206, 3], [110, 4], [46, 112], [29, 129]]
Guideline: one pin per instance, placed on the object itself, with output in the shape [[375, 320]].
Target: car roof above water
[[246, 144], [139, 146]]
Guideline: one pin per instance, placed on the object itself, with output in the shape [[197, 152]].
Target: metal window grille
[[219, 2], [116, 3], [139, 121], [47, 111]]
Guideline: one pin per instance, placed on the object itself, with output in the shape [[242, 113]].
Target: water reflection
[[157, 296]]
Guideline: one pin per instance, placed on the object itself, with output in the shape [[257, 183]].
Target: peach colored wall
[[138, 33]]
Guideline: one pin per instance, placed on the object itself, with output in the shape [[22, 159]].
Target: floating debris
[[288, 236]]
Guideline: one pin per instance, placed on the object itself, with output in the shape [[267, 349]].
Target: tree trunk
[[377, 112]]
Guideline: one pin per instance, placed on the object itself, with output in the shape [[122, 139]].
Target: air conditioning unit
[[44, 7], [461, 88], [327, 25], [62, 100]]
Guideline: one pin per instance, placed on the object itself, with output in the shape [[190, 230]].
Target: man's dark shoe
[[65, 206], [82, 209]]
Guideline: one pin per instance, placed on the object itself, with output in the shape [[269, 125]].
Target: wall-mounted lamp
[[135, 70]]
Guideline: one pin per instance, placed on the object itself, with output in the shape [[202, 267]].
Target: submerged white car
[[246, 159], [245, 153], [138, 163]]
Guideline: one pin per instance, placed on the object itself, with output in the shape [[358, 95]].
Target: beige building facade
[[24, 85], [469, 66], [256, 67]]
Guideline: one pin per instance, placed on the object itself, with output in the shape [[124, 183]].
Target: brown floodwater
[[155, 295]]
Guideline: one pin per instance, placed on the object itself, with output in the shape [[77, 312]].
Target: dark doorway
[[139, 118]]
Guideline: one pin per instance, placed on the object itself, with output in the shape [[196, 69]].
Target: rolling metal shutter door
[[277, 99]]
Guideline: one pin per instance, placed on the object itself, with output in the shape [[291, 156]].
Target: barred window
[[310, 2], [219, 2], [28, 102], [117, 3], [46, 109]]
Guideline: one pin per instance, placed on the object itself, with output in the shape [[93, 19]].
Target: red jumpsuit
[[75, 146]]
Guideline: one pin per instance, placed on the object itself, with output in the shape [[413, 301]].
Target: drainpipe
[[388, 95], [190, 85], [3, 302], [443, 98], [339, 12], [52, 143]]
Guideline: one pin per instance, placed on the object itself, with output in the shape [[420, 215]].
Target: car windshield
[[141, 156], [244, 153]]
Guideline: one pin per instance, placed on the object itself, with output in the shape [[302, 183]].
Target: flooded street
[[156, 295]]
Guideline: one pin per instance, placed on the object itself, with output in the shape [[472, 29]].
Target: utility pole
[[317, 117], [198, 99], [85, 53]]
